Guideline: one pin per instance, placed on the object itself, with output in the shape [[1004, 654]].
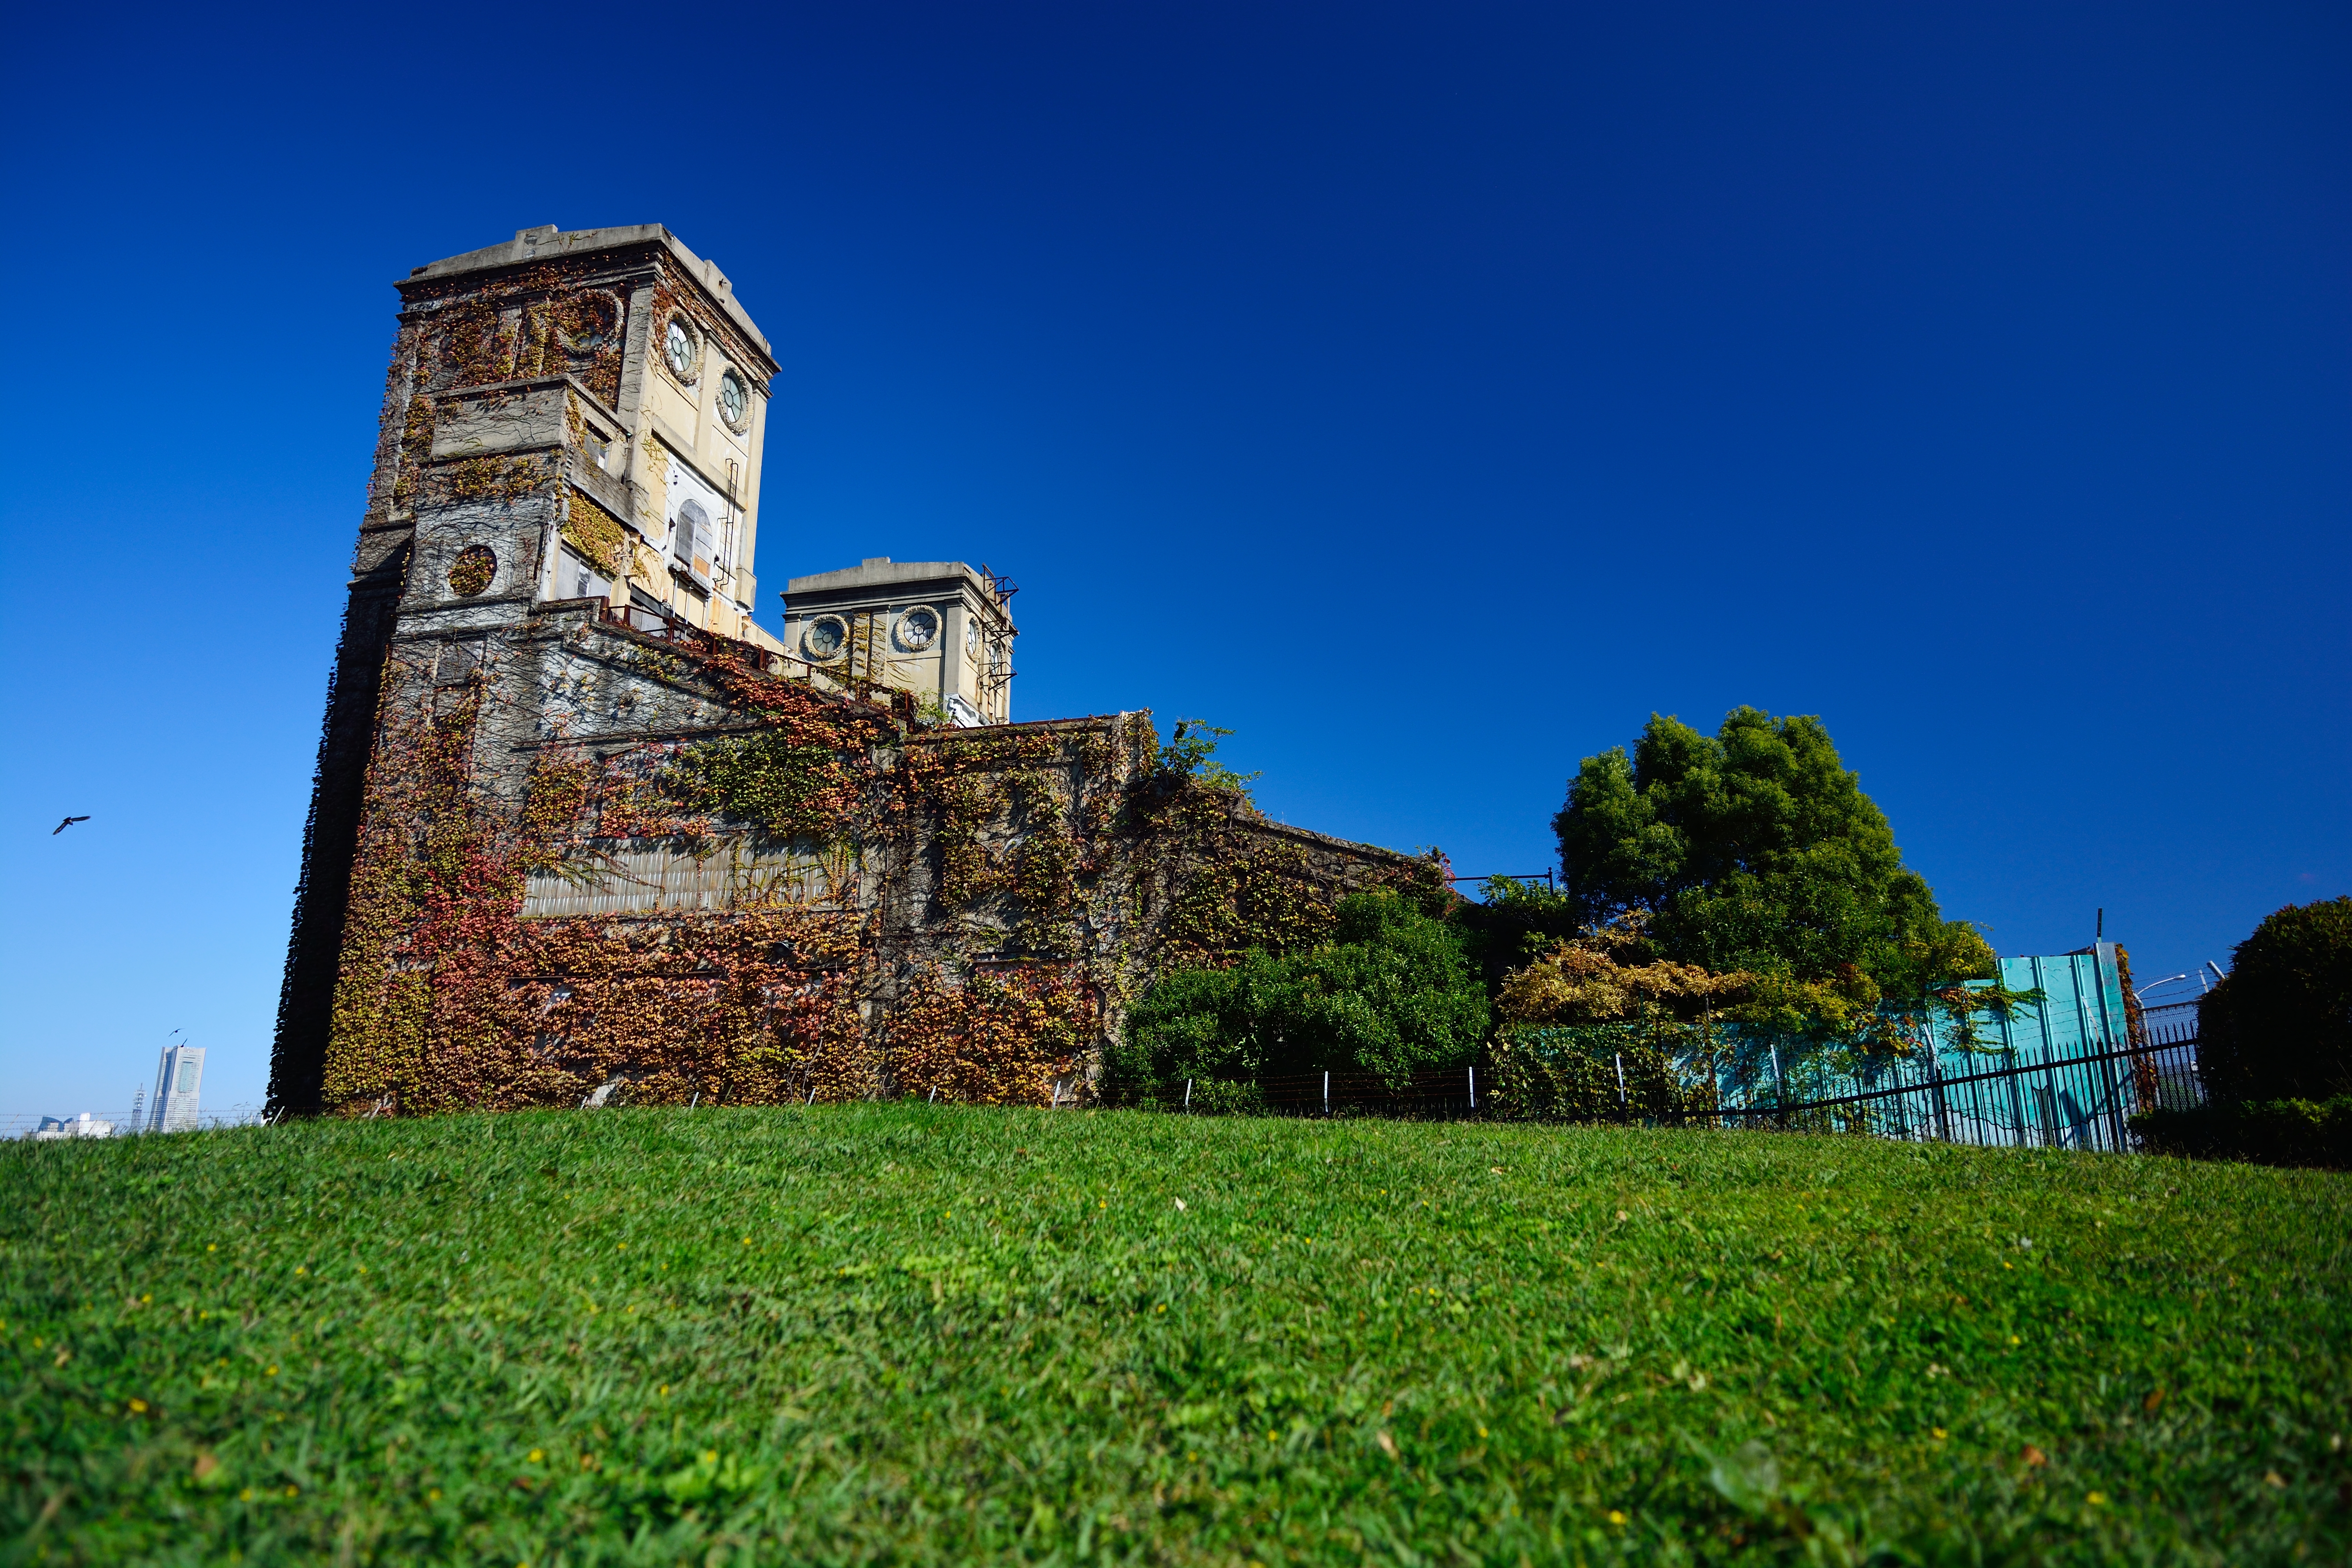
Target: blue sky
[[1430, 395]]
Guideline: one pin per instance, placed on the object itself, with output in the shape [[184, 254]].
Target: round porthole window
[[678, 346], [825, 637], [734, 400], [919, 628], [472, 570]]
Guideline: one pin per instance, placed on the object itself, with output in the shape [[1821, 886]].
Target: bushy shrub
[[2280, 1027], [2267, 1131], [1390, 994], [1599, 1072]]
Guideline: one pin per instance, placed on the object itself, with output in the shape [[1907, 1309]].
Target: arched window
[[692, 536]]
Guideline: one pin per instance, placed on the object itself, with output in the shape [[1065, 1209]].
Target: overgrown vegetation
[[1598, 1028], [1389, 994], [894, 1333], [787, 783]]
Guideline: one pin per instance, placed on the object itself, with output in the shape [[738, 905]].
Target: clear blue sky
[[1428, 393]]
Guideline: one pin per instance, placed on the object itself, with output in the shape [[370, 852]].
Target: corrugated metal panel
[[649, 877], [2070, 1102]]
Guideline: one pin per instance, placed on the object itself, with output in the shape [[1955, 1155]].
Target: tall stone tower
[[569, 418]]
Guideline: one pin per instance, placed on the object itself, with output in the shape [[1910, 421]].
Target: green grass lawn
[[906, 1334]]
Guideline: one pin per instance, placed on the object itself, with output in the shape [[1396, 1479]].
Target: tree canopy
[[1756, 850], [2280, 1027]]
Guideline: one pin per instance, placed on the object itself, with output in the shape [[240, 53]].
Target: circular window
[[919, 628], [471, 571], [679, 348], [734, 400], [825, 636]]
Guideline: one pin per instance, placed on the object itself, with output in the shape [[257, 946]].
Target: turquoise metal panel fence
[[2059, 1071]]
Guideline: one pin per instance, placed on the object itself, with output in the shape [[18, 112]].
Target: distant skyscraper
[[177, 1077]]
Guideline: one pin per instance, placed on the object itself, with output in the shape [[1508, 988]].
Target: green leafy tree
[[2280, 1027], [1755, 850], [1191, 751], [1391, 993]]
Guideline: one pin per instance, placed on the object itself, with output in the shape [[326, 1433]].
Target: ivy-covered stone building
[[580, 825]]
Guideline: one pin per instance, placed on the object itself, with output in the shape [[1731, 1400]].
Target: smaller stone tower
[[936, 629]]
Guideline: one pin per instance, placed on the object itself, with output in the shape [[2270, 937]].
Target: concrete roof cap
[[546, 243], [881, 572]]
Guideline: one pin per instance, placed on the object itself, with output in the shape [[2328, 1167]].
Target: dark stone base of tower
[[623, 842]]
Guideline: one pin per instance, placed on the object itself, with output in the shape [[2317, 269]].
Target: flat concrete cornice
[[874, 575], [883, 574], [947, 733], [547, 243], [532, 383]]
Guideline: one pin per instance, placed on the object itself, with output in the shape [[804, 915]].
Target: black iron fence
[[2084, 1099], [1445, 1092]]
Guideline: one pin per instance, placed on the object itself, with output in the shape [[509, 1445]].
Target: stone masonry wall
[[590, 855]]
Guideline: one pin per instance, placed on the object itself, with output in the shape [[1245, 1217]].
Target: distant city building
[[82, 1126], [177, 1078]]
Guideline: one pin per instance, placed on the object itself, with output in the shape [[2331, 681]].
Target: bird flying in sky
[[68, 822]]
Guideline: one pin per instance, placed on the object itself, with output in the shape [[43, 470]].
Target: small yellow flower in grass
[[212, 1246], [2014, 1340], [746, 1241], [299, 1269], [1939, 1432], [139, 1407], [536, 1456], [293, 1491], [1482, 1431], [271, 1373], [1615, 1517], [2096, 1499], [624, 1246], [433, 1494], [663, 1393], [247, 1495]]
